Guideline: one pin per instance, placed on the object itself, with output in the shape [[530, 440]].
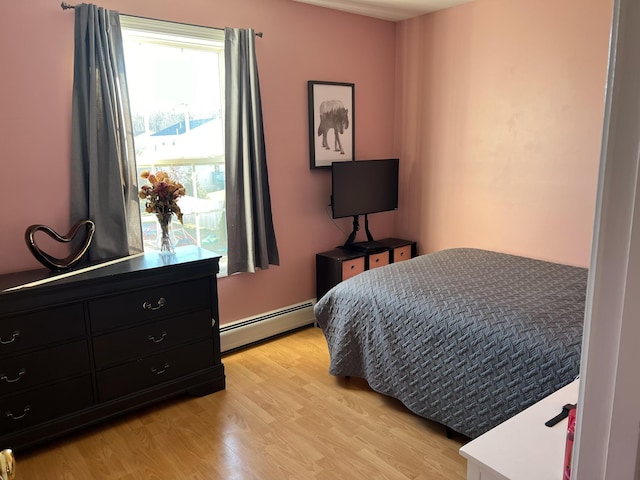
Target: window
[[175, 74]]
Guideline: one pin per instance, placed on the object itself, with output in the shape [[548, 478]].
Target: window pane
[[175, 89]]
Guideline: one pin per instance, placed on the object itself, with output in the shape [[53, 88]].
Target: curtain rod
[[68, 6]]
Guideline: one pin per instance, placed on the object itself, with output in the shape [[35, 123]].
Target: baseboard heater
[[250, 330]]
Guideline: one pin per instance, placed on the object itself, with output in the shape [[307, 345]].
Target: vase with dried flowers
[[161, 198]]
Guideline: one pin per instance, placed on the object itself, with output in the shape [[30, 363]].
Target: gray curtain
[[251, 237], [104, 185]]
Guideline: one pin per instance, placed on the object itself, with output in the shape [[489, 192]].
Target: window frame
[[181, 35]]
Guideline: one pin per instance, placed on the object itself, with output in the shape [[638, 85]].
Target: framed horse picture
[[331, 119]]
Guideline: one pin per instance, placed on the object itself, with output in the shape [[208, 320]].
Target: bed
[[465, 337]]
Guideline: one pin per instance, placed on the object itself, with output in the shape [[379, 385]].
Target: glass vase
[[165, 241]]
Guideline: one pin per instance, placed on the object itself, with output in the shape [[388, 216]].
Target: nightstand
[[340, 264]]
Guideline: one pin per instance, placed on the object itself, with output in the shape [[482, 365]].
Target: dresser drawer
[[35, 406], [378, 260], [21, 332], [26, 371], [150, 338], [154, 370], [148, 304], [351, 268], [401, 253]]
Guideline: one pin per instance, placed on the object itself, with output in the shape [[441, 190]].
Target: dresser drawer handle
[[14, 417], [15, 335], [13, 380], [153, 339], [160, 372], [148, 306]]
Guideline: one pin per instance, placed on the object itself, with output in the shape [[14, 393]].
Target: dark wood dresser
[[78, 349]]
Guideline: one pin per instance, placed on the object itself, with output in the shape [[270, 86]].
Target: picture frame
[[331, 123]]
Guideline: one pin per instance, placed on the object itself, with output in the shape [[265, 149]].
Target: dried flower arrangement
[[162, 195]]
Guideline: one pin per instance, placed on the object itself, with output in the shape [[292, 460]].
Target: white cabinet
[[523, 448]]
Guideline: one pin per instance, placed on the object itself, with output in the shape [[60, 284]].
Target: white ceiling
[[394, 10]]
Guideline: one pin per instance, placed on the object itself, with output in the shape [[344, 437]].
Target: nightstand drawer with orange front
[[376, 260], [351, 268]]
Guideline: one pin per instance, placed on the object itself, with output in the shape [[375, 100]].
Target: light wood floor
[[282, 416]]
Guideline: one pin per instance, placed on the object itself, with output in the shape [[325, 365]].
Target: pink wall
[[300, 43], [500, 109]]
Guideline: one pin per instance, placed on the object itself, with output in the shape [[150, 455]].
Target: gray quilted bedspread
[[465, 337]]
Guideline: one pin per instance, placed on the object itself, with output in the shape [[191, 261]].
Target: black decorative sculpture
[[60, 263]]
